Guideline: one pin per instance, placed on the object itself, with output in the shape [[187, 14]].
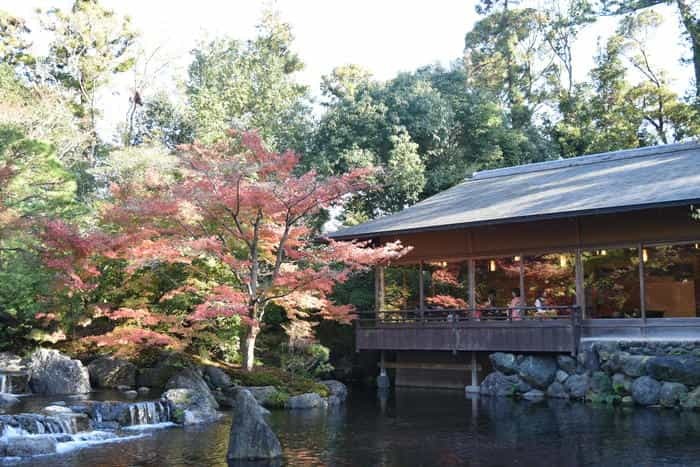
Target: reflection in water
[[431, 428]]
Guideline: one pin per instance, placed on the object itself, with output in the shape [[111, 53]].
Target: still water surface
[[414, 428]]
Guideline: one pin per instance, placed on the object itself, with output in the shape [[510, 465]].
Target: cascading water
[[33, 424], [149, 413], [5, 383]]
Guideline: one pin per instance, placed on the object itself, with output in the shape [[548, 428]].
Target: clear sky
[[385, 36]]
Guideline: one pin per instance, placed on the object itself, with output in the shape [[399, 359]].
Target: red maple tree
[[248, 209]]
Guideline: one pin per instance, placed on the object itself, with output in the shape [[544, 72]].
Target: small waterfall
[[5, 383], [14, 382], [149, 412], [33, 424]]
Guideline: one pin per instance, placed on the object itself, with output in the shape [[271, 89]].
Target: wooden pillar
[[522, 281], [474, 369], [580, 284], [421, 289], [379, 288], [642, 298], [472, 284]]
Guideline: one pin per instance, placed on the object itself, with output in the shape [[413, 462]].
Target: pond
[[428, 428]]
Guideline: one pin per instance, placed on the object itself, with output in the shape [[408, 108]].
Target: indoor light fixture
[[645, 255], [492, 265], [562, 261]]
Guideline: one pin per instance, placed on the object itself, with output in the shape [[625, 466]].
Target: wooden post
[[421, 290], [472, 284], [522, 282], [642, 298], [474, 386], [580, 284]]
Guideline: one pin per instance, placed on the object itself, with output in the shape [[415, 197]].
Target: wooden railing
[[549, 329], [456, 316]]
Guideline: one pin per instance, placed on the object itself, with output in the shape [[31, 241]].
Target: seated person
[[515, 305]]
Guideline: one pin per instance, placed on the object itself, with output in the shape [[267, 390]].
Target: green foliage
[[249, 85], [310, 360]]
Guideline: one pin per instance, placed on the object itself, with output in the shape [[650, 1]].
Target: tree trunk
[[249, 347], [692, 28]]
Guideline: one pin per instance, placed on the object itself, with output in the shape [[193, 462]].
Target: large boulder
[[25, 446], [621, 383], [506, 363], [577, 385], [191, 407], [676, 369], [159, 374], [251, 437], [646, 391], [537, 371], [265, 395], [55, 373], [498, 384], [672, 394], [566, 363], [692, 400], [309, 400], [8, 400], [188, 378], [217, 378], [337, 391], [634, 365], [107, 372], [556, 390]]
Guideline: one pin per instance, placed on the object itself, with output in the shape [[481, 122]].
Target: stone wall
[[647, 373]]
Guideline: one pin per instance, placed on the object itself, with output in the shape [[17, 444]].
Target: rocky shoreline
[[643, 373], [188, 395]]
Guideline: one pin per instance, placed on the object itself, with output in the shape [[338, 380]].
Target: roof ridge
[[589, 159]]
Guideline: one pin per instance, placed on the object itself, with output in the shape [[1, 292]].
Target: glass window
[[447, 285], [401, 288], [672, 281], [496, 280], [550, 280], [611, 279]]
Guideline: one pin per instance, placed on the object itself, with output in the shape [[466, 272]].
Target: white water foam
[[150, 426], [93, 438]]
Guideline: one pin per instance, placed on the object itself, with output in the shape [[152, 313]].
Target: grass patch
[[285, 382]]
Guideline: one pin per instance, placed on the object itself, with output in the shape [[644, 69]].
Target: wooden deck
[[411, 330]]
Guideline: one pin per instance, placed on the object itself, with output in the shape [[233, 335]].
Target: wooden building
[[536, 257]]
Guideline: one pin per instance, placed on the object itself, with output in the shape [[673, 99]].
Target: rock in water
[[337, 391], [265, 395], [646, 391], [538, 371], [309, 400], [498, 384], [217, 378], [24, 447], [187, 379], [556, 390], [577, 385], [677, 369], [672, 394], [55, 373], [106, 372], [251, 437], [566, 363], [504, 362], [192, 407]]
